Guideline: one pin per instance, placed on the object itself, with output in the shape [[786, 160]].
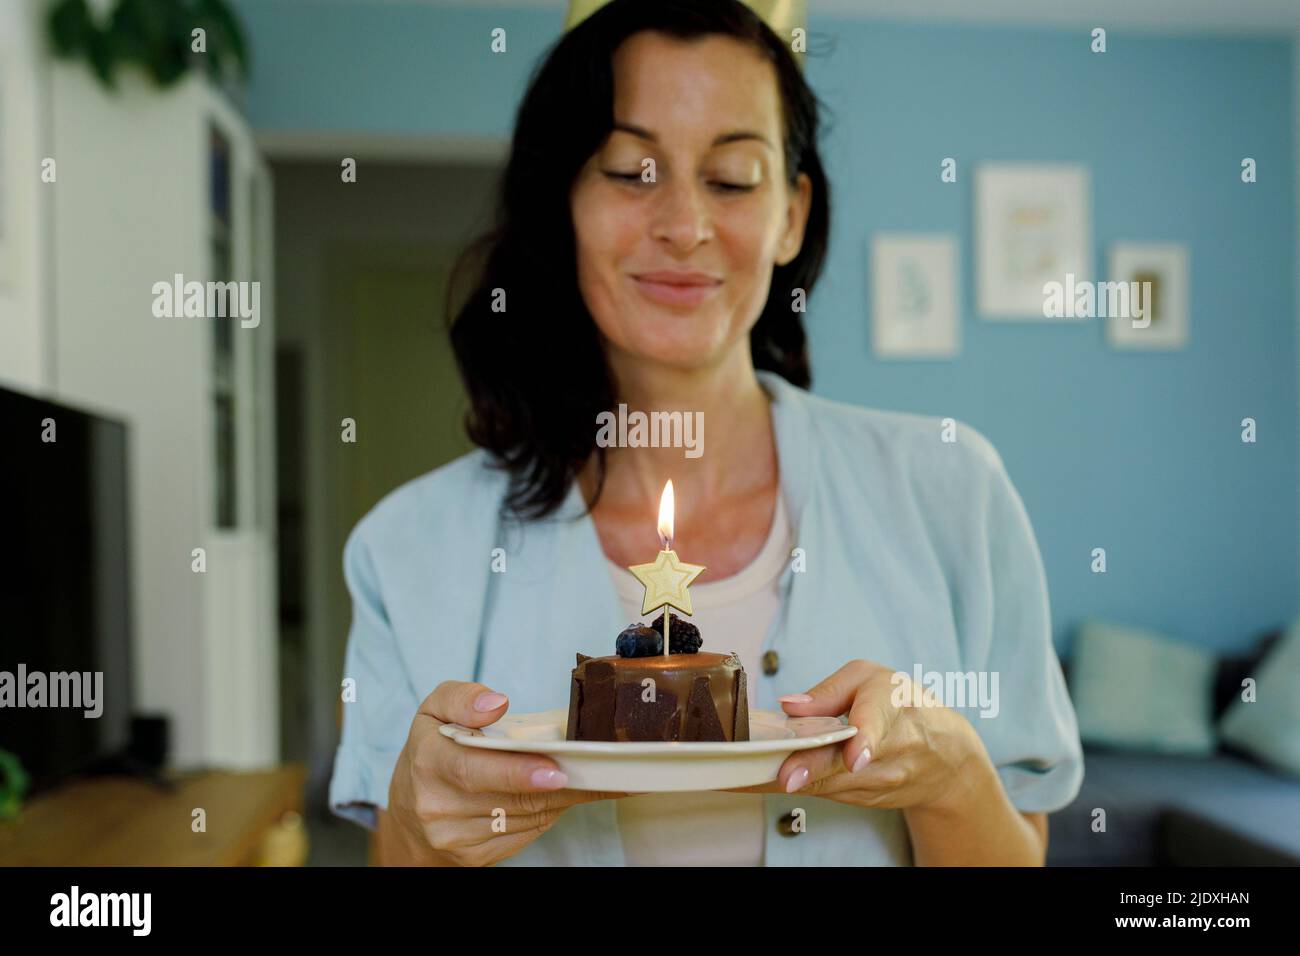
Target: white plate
[[658, 767]]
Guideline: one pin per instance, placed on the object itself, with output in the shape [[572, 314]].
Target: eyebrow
[[733, 137]]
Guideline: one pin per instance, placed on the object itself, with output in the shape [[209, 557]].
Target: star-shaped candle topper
[[667, 579]]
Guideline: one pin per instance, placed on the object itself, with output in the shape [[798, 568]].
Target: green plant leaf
[[69, 27], [153, 34]]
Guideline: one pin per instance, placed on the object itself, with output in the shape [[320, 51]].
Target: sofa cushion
[[1138, 690], [1269, 726], [1234, 668]]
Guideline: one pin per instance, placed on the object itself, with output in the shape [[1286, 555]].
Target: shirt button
[[771, 663], [785, 826]]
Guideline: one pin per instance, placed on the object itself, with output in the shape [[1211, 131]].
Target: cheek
[[751, 235], [604, 235], [750, 244]]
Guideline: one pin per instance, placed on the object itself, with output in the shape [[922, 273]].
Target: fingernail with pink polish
[[489, 700], [548, 779], [864, 758], [797, 780], [796, 699]]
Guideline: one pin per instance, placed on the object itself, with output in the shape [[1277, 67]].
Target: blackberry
[[683, 636]]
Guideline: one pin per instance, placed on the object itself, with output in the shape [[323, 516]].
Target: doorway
[[361, 271]]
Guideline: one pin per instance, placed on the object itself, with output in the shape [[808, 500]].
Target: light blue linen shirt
[[916, 551]]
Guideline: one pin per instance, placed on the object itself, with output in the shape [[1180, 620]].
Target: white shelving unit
[[152, 183]]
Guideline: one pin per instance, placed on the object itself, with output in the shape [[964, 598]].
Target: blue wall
[[380, 67], [1136, 453]]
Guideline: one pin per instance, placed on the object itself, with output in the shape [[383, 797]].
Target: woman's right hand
[[445, 798]]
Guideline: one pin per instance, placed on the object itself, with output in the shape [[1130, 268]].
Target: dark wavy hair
[[536, 372]]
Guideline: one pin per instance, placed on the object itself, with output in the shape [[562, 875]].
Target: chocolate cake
[[697, 696]]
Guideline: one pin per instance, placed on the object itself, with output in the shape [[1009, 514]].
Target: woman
[[662, 214]]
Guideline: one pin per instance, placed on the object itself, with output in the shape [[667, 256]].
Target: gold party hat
[[782, 16]]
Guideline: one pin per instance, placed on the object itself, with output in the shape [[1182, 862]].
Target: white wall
[[78, 258], [123, 217], [131, 210], [24, 200]]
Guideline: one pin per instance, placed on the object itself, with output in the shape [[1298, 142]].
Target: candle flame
[[666, 509]]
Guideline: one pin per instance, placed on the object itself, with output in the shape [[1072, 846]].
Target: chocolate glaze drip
[[697, 697]]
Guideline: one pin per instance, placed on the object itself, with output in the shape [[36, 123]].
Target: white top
[[710, 828]]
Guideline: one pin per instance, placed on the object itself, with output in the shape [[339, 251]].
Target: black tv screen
[[65, 618]]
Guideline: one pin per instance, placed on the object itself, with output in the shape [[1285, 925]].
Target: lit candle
[[666, 579], [667, 506]]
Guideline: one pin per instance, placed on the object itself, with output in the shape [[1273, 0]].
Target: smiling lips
[[677, 288]]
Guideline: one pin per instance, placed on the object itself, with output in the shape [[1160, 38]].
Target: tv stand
[[125, 765], [250, 819]]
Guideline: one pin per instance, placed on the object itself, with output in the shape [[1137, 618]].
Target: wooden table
[[117, 821]]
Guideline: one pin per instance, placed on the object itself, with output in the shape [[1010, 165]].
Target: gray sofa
[[1163, 810], [1224, 810]]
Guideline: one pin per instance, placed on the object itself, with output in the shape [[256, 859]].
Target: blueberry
[[637, 640]]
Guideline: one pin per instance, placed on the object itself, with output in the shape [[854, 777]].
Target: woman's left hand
[[902, 755]]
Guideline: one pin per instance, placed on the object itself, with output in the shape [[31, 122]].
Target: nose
[[681, 217]]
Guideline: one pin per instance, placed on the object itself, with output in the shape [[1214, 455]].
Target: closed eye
[[716, 184]]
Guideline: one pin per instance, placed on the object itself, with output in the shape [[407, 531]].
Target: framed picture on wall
[[914, 310], [1154, 278], [1032, 226]]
